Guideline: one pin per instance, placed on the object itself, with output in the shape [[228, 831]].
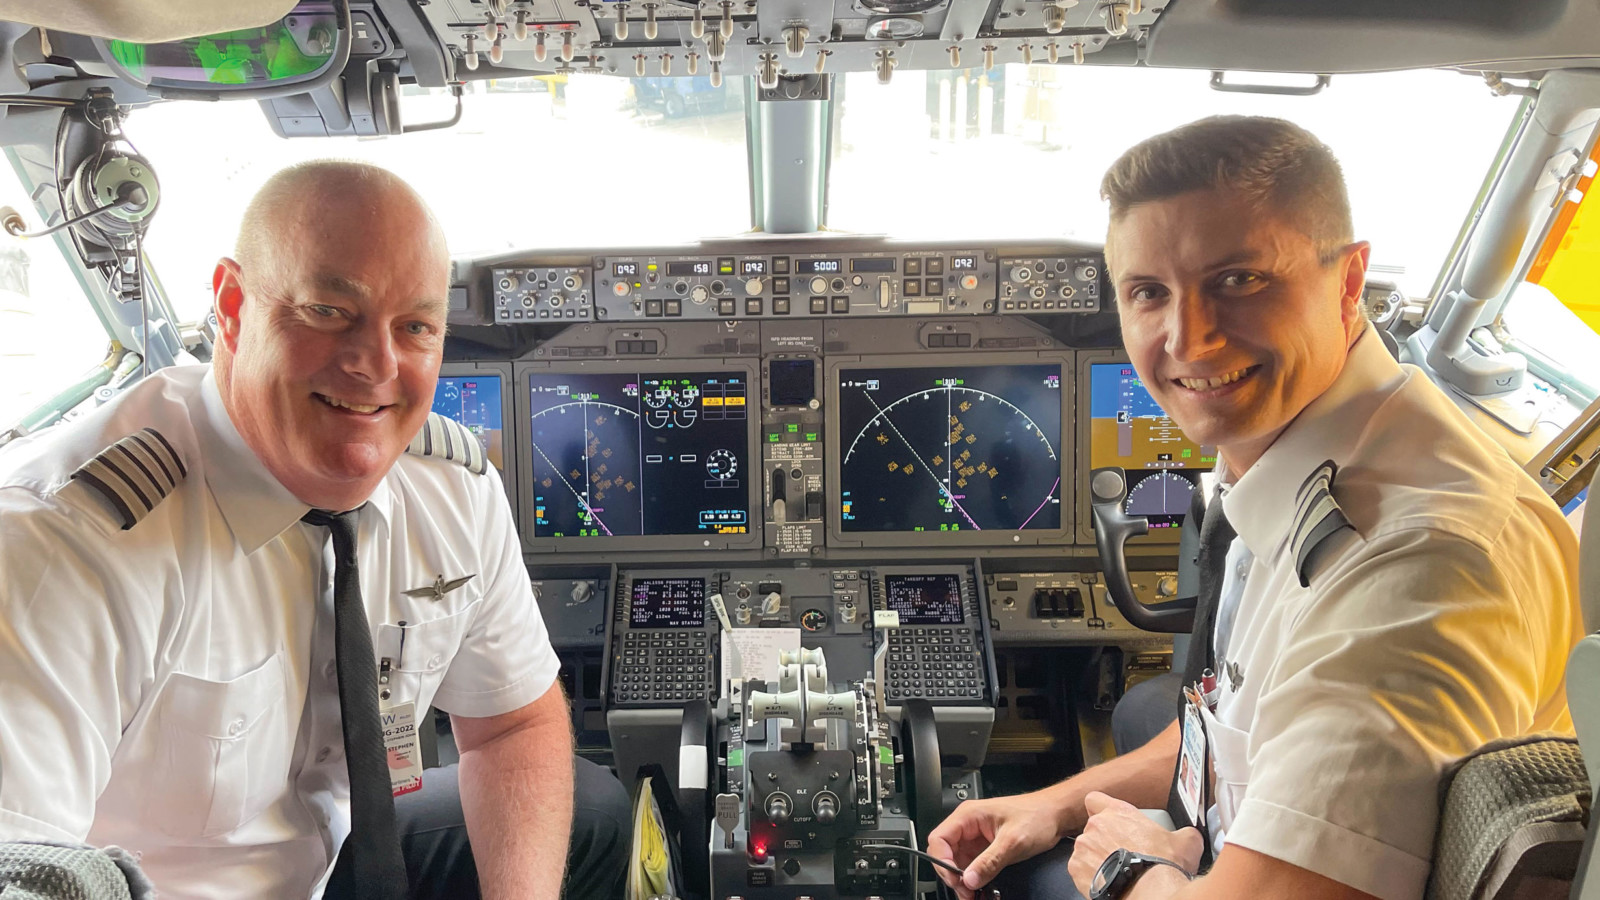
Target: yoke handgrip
[[1108, 489]]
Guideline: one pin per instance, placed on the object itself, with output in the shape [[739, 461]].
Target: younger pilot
[[1398, 593]]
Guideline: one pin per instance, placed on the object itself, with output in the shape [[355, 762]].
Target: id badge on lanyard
[[1194, 760], [400, 741]]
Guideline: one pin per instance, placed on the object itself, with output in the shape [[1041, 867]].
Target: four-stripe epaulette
[[445, 438], [134, 474], [1317, 518]]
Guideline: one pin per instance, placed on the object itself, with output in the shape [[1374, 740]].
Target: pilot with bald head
[[1389, 590], [232, 594]]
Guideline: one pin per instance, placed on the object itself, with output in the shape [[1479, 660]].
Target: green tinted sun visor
[[310, 44]]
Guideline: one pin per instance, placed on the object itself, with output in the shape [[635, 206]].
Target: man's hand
[[985, 836], [1115, 825]]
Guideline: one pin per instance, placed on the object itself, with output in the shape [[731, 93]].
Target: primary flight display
[[1128, 428], [950, 448], [618, 454], [475, 402]]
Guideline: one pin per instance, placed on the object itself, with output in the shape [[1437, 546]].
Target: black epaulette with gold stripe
[[134, 474], [445, 438], [1317, 518]]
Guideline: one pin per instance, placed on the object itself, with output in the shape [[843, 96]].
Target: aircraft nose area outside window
[[548, 162], [49, 334], [1019, 151]]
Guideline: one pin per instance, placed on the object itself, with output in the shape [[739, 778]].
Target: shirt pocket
[[421, 653], [224, 753], [1230, 762]]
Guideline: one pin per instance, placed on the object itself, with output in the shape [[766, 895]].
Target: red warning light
[[758, 849]]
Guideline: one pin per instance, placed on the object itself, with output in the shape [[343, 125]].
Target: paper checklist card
[[753, 653]]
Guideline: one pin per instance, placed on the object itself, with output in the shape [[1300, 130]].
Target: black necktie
[[1216, 536], [370, 859]]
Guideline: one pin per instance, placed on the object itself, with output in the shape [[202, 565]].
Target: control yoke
[[1112, 528]]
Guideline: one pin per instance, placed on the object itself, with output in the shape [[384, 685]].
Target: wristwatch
[[1121, 869]]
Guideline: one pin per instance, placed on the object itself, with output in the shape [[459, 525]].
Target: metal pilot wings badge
[[439, 588]]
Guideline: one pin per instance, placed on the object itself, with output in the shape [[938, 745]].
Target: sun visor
[[146, 21]]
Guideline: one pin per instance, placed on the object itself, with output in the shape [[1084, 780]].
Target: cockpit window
[[535, 163], [1018, 151], [50, 336]]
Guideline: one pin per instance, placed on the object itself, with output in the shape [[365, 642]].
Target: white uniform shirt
[[1444, 622], [171, 688]]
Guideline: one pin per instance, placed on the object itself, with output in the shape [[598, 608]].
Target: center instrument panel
[[823, 406]]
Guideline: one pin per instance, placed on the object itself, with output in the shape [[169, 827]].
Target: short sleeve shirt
[[1442, 621], [171, 688]]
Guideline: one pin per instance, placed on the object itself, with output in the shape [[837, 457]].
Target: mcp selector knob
[[1021, 273], [753, 286], [620, 289], [1167, 586], [969, 282], [572, 282], [819, 285], [1085, 272], [699, 293], [826, 807], [779, 808]]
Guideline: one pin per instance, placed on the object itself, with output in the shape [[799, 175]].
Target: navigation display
[[668, 603], [1128, 429], [639, 454], [950, 448], [924, 599], [474, 401]]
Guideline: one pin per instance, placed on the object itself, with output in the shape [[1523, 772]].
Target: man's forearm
[[516, 793], [1142, 778]]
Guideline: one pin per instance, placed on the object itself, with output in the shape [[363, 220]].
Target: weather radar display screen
[[648, 454], [1128, 429], [950, 448], [474, 401]]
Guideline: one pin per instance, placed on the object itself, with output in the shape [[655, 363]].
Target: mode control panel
[[1068, 607], [543, 293], [1049, 284], [804, 285]]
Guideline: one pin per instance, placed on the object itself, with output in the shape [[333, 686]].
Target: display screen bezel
[[1066, 455], [752, 537]]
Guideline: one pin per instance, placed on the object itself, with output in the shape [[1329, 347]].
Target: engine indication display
[[668, 603], [648, 454], [950, 448], [924, 599], [1128, 428], [475, 402]]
